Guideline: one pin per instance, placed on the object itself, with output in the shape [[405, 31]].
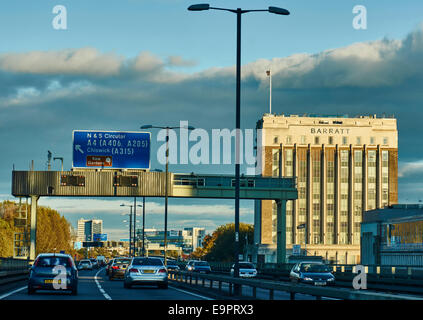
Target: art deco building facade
[[344, 166]]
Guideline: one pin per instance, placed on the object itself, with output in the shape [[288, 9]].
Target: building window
[[288, 139], [330, 140], [359, 140], [385, 141], [275, 139], [303, 140], [372, 140], [316, 140], [344, 140]]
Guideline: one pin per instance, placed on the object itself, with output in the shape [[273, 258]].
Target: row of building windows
[[330, 140], [344, 212]]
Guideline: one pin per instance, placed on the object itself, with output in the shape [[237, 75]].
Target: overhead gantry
[[129, 183]]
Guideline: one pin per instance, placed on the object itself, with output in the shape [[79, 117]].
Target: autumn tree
[[220, 245]]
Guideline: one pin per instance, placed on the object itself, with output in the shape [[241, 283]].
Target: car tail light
[[133, 270], [162, 270], [115, 267]]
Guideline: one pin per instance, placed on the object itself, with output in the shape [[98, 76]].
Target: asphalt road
[[95, 285]]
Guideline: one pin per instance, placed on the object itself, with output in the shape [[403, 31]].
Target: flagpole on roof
[[270, 90]]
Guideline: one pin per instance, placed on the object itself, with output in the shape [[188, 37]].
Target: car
[[53, 271], [108, 266], [85, 264], [190, 265], [246, 270], [316, 273], [118, 267], [200, 266], [172, 265], [146, 270], [94, 263]]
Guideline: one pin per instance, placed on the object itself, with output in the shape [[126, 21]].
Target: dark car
[[201, 267], [94, 263], [118, 268], [315, 273], [172, 265], [53, 271], [108, 266], [146, 270]]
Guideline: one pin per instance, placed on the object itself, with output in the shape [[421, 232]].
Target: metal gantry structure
[[122, 183]]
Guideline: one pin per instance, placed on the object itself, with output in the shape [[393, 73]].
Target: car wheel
[[31, 290], [163, 285]]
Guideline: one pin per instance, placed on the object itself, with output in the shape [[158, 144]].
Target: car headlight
[[331, 279], [307, 279]]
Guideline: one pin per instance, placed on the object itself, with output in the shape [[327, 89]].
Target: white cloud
[[407, 169]]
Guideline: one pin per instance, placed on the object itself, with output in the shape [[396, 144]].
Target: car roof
[[54, 255]]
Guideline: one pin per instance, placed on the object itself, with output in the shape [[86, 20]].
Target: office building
[[343, 165], [87, 228]]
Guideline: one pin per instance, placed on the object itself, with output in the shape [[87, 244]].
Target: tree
[[220, 245]]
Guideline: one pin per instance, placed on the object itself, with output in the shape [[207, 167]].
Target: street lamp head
[[277, 10], [199, 7], [122, 205], [148, 126]]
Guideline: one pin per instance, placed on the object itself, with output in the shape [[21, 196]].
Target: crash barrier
[[12, 270], [194, 279]]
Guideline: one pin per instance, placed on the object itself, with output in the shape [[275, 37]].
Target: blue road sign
[[100, 236], [111, 149]]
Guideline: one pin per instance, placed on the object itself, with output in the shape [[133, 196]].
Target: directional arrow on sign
[[78, 148]]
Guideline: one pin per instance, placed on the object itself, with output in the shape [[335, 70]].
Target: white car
[[246, 270], [85, 265]]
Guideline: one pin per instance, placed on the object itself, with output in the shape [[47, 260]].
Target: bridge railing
[[199, 280], [13, 270]]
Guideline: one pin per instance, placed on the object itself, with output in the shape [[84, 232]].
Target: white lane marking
[[99, 286], [12, 292], [193, 294]]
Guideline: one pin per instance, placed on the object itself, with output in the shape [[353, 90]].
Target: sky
[[122, 64]]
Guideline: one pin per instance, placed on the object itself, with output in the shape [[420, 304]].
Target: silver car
[[246, 270], [146, 271]]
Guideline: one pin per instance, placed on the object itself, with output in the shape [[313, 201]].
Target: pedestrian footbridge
[[126, 183]]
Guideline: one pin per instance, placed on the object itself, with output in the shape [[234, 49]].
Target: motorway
[[95, 285]]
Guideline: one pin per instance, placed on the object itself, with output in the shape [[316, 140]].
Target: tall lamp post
[[239, 12], [166, 177], [130, 227]]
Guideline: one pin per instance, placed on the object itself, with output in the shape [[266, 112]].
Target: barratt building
[[344, 166]]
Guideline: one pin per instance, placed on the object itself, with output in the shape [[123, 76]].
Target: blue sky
[[121, 64]]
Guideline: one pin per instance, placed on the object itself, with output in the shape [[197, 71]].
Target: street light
[[59, 158], [130, 226], [149, 126], [239, 12]]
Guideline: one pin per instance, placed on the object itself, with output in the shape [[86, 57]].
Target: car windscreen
[[171, 263], [201, 263], [147, 262], [122, 261], [85, 262], [314, 267], [52, 262], [246, 266]]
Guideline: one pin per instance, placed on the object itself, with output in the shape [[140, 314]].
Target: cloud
[[407, 169]]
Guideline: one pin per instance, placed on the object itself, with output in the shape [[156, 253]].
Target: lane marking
[[12, 292], [193, 294], [99, 286]]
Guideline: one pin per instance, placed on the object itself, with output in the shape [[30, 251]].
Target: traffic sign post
[[111, 149]]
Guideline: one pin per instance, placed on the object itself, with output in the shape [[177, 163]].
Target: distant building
[[344, 166], [393, 236], [186, 240], [87, 228]]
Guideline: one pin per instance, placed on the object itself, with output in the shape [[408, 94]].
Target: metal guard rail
[[318, 292]]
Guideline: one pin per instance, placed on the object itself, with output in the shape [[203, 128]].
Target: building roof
[[395, 214]]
